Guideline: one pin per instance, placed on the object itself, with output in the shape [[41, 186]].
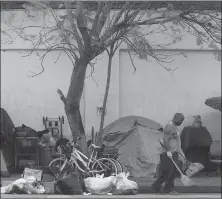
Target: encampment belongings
[[24, 186], [124, 186], [108, 152], [70, 185], [45, 155], [25, 131], [47, 140], [99, 185], [26, 151], [38, 174], [54, 125], [137, 147]]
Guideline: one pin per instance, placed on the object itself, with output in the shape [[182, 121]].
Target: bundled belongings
[[124, 186], [29, 184], [24, 186], [70, 185], [100, 185], [116, 185], [25, 131]]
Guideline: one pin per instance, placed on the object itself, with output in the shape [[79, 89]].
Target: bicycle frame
[[77, 155], [88, 163]]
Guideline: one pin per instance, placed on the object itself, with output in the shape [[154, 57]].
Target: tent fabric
[[138, 149], [125, 123], [7, 132], [4, 170]]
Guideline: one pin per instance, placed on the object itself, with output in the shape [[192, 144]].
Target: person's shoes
[[173, 192]]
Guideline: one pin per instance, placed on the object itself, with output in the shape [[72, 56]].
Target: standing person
[[171, 142]]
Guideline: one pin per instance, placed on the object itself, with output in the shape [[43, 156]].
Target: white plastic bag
[[25, 186], [125, 186], [99, 185]]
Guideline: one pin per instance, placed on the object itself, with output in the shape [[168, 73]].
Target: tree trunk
[[72, 103], [111, 53]]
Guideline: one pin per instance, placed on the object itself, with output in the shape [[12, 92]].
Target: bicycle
[[77, 160]]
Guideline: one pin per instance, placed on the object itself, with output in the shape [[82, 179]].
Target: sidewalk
[[139, 196], [205, 184]]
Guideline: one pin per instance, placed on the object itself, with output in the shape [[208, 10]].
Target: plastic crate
[[26, 145]]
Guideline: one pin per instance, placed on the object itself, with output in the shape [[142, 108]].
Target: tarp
[[4, 170], [138, 148], [7, 132]]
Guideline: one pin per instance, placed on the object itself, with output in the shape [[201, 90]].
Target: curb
[[146, 189]]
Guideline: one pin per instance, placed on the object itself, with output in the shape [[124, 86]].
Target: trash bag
[[24, 186], [70, 185], [99, 185], [123, 186]]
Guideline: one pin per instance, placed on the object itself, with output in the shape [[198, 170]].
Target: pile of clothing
[[29, 183], [25, 186]]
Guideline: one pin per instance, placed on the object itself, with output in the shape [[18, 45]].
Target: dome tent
[[136, 139]]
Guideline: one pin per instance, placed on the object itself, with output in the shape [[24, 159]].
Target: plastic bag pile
[[24, 186], [116, 185]]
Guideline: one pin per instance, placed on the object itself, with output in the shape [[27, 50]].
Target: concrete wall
[[27, 99]]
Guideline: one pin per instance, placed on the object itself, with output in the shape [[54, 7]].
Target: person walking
[[172, 145]]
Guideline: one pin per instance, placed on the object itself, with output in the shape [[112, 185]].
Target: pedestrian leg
[[156, 186], [170, 175]]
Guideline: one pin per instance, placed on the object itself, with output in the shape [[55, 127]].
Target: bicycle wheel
[[60, 167], [104, 166], [118, 165]]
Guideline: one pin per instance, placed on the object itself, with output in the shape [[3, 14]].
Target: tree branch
[[94, 32], [74, 28], [83, 30], [103, 17], [62, 97]]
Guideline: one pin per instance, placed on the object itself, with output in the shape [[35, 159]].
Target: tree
[[83, 32], [111, 51]]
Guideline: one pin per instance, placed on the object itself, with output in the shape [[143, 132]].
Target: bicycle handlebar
[[74, 142]]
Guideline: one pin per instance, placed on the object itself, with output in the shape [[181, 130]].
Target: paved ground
[[150, 196], [205, 184]]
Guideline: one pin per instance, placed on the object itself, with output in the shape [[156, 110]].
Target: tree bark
[[111, 53], [72, 103]]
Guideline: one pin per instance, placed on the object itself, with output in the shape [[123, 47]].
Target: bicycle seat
[[95, 147]]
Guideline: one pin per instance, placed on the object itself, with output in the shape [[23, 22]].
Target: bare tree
[[83, 32], [111, 51]]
